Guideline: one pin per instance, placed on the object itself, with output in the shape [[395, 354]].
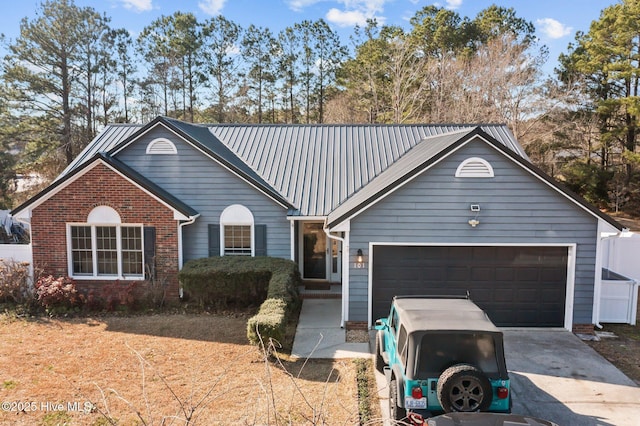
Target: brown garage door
[[516, 286]]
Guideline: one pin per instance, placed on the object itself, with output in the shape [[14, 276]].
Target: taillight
[[416, 393], [503, 393]]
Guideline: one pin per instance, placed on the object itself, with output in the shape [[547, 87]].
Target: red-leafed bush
[[57, 295]]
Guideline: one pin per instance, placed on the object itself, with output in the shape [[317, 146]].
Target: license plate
[[412, 403]]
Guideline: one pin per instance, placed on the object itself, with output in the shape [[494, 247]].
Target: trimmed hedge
[[269, 281]]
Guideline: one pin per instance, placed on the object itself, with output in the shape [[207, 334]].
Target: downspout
[[345, 266], [190, 221], [597, 285]]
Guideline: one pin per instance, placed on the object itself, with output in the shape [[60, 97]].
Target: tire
[[378, 361], [464, 388], [396, 412]]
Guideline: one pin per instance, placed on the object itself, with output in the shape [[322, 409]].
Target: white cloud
[[355, 12], [553, 29], [454, 4], [346, 18], [137, 5], [298, 5], [211, 7]]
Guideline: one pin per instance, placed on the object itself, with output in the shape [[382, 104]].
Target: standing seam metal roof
[[315, 167]]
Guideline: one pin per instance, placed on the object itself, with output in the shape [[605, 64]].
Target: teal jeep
[[441, 354]]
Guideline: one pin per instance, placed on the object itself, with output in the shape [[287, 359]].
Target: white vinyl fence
[[16, 252], [619, 296]]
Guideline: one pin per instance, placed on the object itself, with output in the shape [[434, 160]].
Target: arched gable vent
[[161, 146], [474, 167]]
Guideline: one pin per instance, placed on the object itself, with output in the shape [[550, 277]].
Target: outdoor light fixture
[[476, 209], [359, 254]]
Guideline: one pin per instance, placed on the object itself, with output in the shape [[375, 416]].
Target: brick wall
[[100, 186]]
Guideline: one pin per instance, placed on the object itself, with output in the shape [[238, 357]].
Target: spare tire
[[463, 387]]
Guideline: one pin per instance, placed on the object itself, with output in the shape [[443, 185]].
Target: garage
[[518, 286]]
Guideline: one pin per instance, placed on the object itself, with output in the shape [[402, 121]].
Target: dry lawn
[[163, 369]]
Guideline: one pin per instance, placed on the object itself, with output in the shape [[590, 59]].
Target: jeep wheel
[[395, 412], [464, 388], [378, 361]]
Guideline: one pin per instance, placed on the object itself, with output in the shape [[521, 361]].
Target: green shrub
[[269, 323], [269, 282]]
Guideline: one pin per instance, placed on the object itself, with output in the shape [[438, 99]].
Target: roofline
[[183, 212], [356, 210], [166, 122], [476, 132]]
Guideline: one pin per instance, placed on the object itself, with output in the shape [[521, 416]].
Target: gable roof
[[200, 137], [310, 168], [429, 152], [324, 170], [181, 210], [424, 154]]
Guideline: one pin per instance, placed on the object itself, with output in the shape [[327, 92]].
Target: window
[[236, 223], [107, 248], [237, 240]]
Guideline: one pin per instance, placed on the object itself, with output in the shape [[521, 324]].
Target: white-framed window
[[105, 248], [237, 236], [474, 167]]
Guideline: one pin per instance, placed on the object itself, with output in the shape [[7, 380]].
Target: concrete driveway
[[555, 376]]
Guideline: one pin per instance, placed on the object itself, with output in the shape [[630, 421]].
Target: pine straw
[[165, 368]]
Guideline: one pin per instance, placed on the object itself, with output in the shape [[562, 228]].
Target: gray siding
[[515, 206], [209, 188]]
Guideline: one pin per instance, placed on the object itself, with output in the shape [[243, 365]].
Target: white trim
[[202, 152], [474, 167], [344, 241], [571, 266], [292, 240], [597, 284], [176, 214], [345, 277], [95, 276], [307, 218], [523, 166], [161, 146]]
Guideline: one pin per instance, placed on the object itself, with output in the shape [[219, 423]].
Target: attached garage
[[518, 286]]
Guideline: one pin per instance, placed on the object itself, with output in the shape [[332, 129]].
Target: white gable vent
[[474, 167], [161, 146]]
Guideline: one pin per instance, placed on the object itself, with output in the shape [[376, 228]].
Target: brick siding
[[100, 186]]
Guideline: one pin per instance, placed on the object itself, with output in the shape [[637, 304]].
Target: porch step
[[320, 290]]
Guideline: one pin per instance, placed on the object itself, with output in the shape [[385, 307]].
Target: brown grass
[[164, 369]]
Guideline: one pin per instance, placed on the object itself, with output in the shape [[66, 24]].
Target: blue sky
[[556, 21]]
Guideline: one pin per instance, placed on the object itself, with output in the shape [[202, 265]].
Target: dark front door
[[314, 251]]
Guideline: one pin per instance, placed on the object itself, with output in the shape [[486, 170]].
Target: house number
[[358, 265]]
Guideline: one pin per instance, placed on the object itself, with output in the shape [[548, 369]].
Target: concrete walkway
[[319, 334]]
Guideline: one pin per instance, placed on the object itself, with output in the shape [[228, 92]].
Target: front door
[[314, 251]]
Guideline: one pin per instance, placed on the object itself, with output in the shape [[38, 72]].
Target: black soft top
[[442, 314]]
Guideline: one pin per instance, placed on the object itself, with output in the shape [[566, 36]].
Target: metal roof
[[314, 167], [403, 169], [318, 167]]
